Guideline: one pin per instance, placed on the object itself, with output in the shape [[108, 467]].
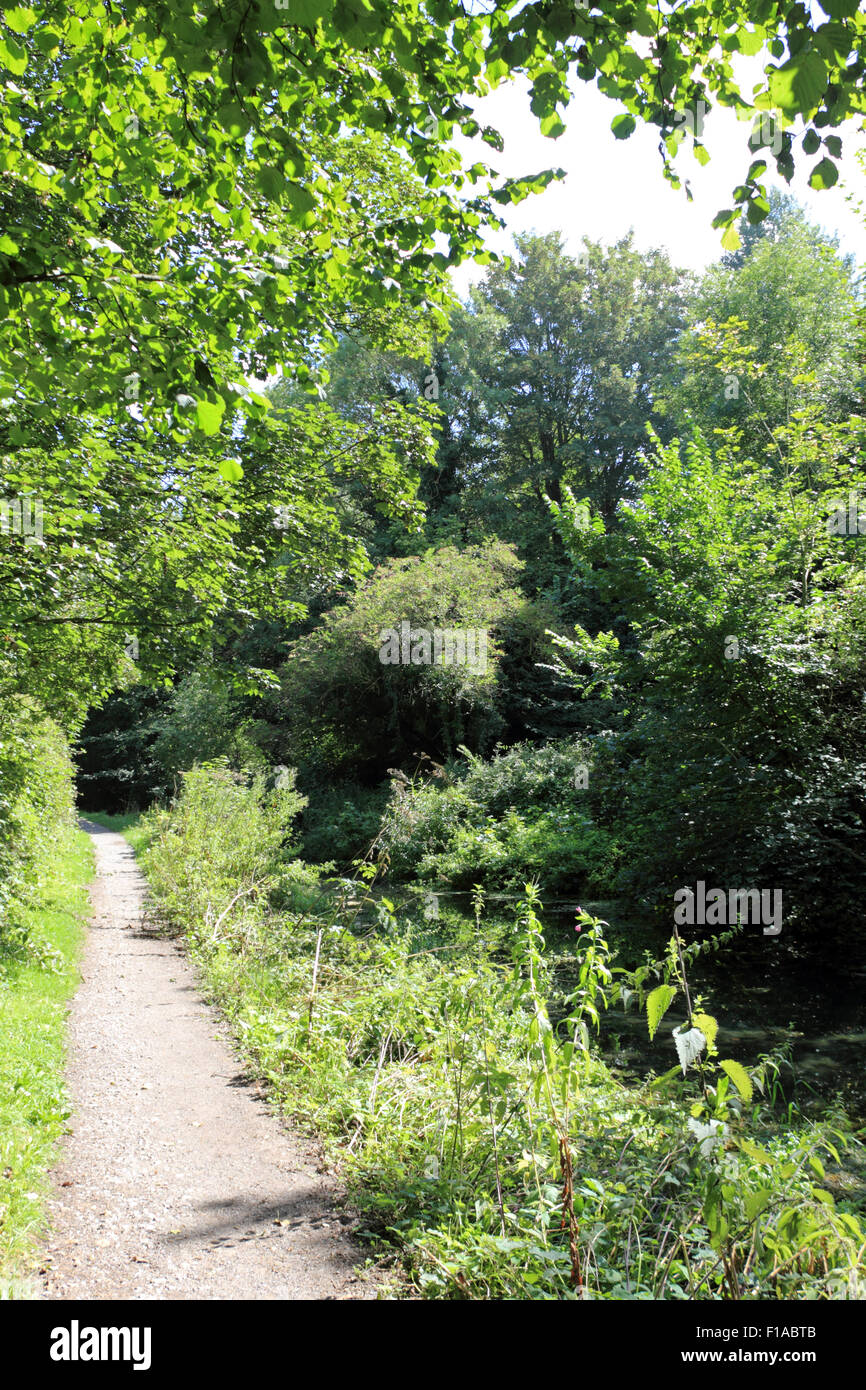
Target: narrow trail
[[176, 1180]]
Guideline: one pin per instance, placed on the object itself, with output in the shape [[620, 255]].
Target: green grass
[[131, 826], [33, 1103]]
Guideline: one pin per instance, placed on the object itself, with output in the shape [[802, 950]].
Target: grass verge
[[131, 826], [33, 1105]]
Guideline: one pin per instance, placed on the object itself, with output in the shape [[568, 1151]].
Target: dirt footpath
[[176, 1181]]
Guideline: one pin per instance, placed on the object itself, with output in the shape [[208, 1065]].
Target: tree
[[120, 542], [743, 765], [166, 214], [787, 309], [361, 693], [549, 378]]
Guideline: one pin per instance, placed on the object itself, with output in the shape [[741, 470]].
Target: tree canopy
[[168, 216]]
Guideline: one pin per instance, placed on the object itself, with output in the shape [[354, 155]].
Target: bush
[[522, 815], [341, 822], [36, 804], [202, 722], [227, 828], [343, 709]]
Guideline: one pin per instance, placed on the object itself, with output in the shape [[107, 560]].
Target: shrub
[[344, 709], [36, 803], [341, 822], [227, 829], [523, 814], [200, 724]]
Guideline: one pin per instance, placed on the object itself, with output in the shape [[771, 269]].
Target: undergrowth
[[492, 1149], [34, 990]]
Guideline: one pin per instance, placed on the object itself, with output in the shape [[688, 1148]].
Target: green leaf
[[731, 239], [799, 84], [657, 1006], [46, 41], [231, 470], [233, 119], [740, 1078], [824, 174], [646, 23], [622, 125], [299, 198], [756, 1153], [756, 1202], [708, 1026], [307, 13], [666, 1077], [209, 414], [750, 43], [19, 19], [12, 55], [758, 208], [811, 141], [816, 1165], [552, 125], [840, 9]]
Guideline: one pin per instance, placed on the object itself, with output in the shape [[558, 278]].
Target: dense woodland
[[248, 430]]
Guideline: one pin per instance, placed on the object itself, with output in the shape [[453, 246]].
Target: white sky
[[612, 185]]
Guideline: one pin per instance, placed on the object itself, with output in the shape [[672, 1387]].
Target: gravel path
[[176, 1181]]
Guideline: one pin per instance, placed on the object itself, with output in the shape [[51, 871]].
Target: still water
[[762, 989]]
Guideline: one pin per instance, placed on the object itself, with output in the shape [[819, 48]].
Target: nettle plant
[[749, 1208], [695, 1039]]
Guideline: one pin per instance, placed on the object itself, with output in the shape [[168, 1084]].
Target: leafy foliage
[[745, 759], [36, 802], [342, 707], [522, 815], [480, 1137]]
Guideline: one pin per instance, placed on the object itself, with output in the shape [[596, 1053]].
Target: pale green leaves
[[552, 125], [209, 414], [19, 19], [657, 1006], [13, 55], [709, 1027], [799, 84], [740, 1078], [750, 42], [231, 470]]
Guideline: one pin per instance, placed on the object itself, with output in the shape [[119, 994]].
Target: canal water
[[763, 990]]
